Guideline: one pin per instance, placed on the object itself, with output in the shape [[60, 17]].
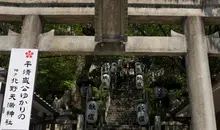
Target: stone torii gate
[[111, 18]]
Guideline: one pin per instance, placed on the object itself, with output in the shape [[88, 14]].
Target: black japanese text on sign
[[19, 90], [12, 98], [25, 86]]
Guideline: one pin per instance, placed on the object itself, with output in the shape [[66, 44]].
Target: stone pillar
[[198, 76], [111, 20], [31, 29]]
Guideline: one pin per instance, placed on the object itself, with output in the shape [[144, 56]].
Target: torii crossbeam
[[193, 44]]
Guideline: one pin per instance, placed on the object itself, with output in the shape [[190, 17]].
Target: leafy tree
[[54, 75]]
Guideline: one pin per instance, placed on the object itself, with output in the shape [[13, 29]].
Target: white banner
[[19, 90]]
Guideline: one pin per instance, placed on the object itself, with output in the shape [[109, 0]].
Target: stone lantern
[[114, 67], [138, 68], [160, 92], [139, 82], [142, 115], [105, 75]]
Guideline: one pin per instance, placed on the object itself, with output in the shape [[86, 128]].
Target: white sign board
[[19, 90]]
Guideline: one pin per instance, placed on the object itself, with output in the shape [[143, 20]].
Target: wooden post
[[31, 29], [198, 76]]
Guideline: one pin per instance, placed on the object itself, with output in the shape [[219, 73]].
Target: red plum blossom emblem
[[29, 54]]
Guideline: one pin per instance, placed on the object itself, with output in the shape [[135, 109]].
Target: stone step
[[122, 96], [118, 121], [124, 104], [132, 88], [124, 127], [121, 113], [127, 94], [121, 116], [124, 100], [130, 99], [125, 90], [122, 109]]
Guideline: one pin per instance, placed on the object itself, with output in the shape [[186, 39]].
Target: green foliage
[[65, 29], [4, 61], [101, 94], [14, 26], [55, 74], [151, 29]]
